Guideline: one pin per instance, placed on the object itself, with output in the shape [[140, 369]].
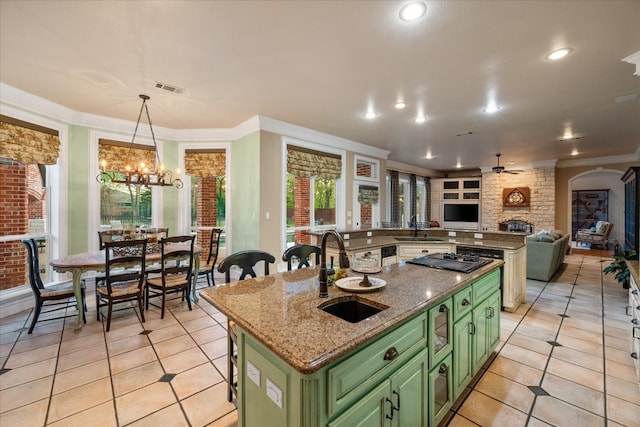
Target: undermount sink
[[418, 239], [352, 308]]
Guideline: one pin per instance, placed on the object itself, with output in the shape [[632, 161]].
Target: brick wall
[[542, 209], [366, 213], [13, 220], [363, 169], [37, 193], [206, 210], [302, 211]]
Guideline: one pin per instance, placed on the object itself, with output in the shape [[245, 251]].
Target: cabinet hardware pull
[[465, 302], [635, 292], [392, 408], [634, 355], [443, 308], [626, 310], [391, 354], [633, 332], [425, 251], [443, 369], [491, 313], [397, 400], [472, 329], [634, 321]]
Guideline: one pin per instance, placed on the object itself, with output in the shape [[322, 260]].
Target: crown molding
[[405, 168], [599, 161], [287, 129]]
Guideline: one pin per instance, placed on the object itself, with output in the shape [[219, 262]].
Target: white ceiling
[[322, 64]]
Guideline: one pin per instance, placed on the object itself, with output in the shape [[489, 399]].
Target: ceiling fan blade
[[513, 172]]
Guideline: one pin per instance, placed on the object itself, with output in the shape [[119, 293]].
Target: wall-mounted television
[[459, 212]]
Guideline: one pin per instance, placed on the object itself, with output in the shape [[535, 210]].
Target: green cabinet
[[476, 330], [441, 395], [440, 331], [396, 402], [408, 377]]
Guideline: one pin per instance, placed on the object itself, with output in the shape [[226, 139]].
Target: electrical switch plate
[[253, 373], [368, 241], [345, 237], [369, 233], [274, 393], [452, 234], [267, 215], [477, 236]]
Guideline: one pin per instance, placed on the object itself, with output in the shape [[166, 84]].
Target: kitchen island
[[301, 366]]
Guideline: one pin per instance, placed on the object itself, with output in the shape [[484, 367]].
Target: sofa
[[545, 253]]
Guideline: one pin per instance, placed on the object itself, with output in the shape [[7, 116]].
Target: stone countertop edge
[[281, 310], [375, 242]]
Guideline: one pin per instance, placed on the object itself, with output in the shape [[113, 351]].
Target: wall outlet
[[267, 215], [345, 237], [452, 234], [369, 233], [274, 393], [253, 373], [368, 241], [477, 236]]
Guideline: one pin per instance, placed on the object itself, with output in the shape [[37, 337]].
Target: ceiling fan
[[501, 169]]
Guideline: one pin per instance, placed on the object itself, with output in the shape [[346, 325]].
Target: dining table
[[81, 263]]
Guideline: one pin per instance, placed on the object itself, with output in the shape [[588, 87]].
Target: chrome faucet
[[414, 222], [344, 260]]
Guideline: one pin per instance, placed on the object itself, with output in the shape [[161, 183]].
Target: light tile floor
[[560, 362]]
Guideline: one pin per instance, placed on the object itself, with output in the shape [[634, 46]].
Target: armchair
[[598, 237]]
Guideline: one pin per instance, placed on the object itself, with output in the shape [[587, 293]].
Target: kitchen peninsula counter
[[281, 310]]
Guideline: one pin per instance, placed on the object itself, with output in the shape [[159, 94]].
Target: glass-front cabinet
[[440, 391], [440, 324]]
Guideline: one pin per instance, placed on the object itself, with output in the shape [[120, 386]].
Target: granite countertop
[[280, 310], [375, 242]]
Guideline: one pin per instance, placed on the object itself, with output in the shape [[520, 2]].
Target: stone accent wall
[[542, 209], [13, 220]]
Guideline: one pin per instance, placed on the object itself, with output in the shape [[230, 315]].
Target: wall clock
[[516, 197]]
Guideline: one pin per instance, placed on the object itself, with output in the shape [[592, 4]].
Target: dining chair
[[212, 258], [176, 270], [51, 295], [303, 254], [124, 276], [246, 260]]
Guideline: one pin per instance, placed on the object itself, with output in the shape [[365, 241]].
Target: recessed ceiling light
[[400, 105], [574, 152], [420, 119], [559, 53], [458, 165], [413, 10], [569, 137], [491, 108], [370, 115]]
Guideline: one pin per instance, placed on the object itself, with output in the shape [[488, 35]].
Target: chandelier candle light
[[140, 174]]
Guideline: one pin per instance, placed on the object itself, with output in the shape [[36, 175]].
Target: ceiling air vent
[[169, 88]]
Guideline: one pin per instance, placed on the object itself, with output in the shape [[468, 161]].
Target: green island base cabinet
[[410, 376]]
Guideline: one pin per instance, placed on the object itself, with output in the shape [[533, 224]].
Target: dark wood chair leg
[[36, 314]]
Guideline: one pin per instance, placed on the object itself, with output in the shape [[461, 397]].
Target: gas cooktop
[[451, 261]]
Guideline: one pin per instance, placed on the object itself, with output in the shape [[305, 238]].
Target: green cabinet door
[[370, 411], [441, 395], [493, 328], [462, 345], [409, 390], [480, 342]]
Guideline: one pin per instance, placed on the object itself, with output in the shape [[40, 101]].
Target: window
[[402, 201], [311, 182]]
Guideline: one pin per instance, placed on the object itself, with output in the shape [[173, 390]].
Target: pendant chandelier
[[137, 172]]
